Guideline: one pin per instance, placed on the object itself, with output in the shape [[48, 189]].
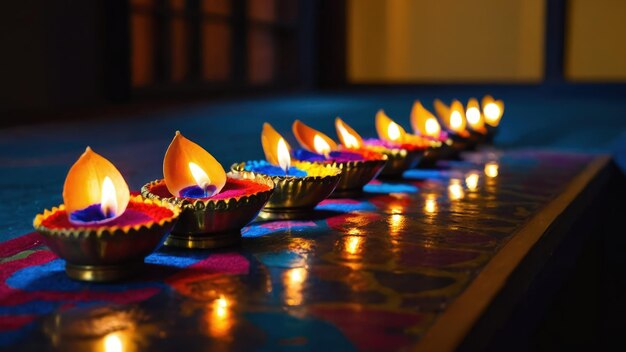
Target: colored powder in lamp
[[91, 213], [136, 213], [198, 192], [374, 142], [337, 156], [265, 168], [232, 189]]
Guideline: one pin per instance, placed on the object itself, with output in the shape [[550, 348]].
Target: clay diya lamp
[[475, 122], [102, 232], [300, 185], [425, 124], [453, 119], [215, 206], [358, 167], [404, 151], [492, 111]]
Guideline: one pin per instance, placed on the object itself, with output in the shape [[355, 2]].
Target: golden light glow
[[312, 139], [353, 244], [294, 280], [388, 130], [95, 180], [456, 121], [219, 319], [348, 136], [423, 121], [180, 174], [474, 117], [492, 110], [113, 343], [491, 169], [455, 190], [471, 181], [430, 205], [277, 150]]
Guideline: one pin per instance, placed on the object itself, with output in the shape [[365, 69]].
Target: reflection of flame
[[491, 169], [282, 152], [393, 131], [455, 190], [430, 206], [219, 320], [293, 280], [113, 343], [202, 179], [349, 140], [432, 127], [471, 181], [108, 204], [320, 145], [353, 244]]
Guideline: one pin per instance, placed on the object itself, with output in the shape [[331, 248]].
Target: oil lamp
[[300, 185], [404, 151], [425, 124], [492, 111], [215, 206], [358, 166], [455, 122], [102, 232]]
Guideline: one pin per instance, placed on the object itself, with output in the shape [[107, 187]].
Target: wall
[[445, 41]]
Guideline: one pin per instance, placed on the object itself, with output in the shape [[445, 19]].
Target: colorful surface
[[360, 274]]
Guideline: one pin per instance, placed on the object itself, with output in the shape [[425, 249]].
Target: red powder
[[136, 213], [234, 188]]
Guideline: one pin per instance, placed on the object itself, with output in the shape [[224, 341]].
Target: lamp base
[[103, 273], [206, 241]]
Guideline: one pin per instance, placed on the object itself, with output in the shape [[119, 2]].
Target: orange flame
[[187, 164], [277, 150], [423, 121], [95, 180], [312, 139], [347, 135], [388, 130], [475, 119], [492, 110]]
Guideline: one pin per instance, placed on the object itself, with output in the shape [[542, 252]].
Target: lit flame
[[348, 137], [186, 164], [491, 169], [312, 139], [492, 109], [202, 179], [95, 180], [113, 343], [423, 121], [321, 147], [474, 117], [471, 181], [456, 121], [277, 150], [284, 159], [455, 190], [108, 203], [388, 130]]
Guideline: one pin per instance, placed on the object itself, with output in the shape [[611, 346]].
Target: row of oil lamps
[[104, 233]]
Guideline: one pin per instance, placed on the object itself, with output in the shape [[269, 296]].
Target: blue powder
[[303, 154], [198, 192], [91, 213], [263, 167]]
